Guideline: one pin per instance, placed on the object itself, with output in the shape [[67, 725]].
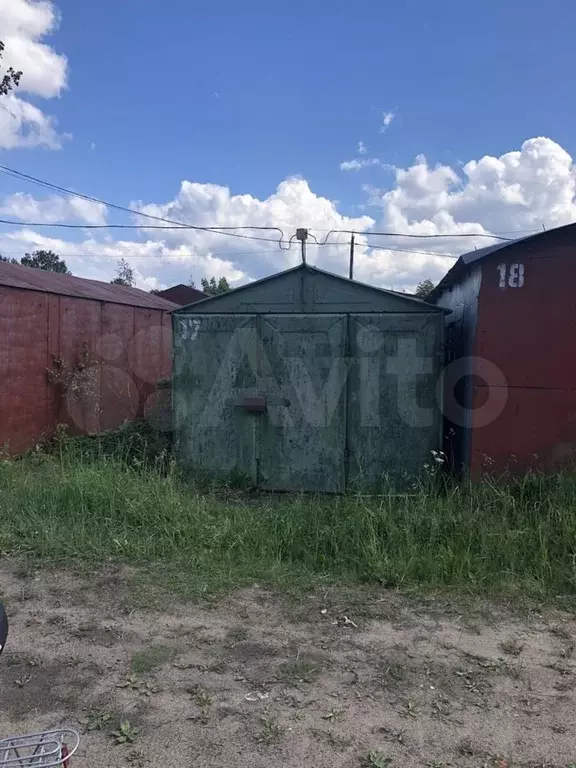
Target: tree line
[[51, 262]]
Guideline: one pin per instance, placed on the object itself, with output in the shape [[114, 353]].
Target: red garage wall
[[527, 329], [129, 350]]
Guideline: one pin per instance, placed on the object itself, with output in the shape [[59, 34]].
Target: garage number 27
[[511, 275]]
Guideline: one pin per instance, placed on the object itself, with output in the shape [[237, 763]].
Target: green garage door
[[302, 434]]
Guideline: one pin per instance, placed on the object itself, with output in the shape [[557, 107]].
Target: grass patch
[[78, 506], [149, 659]]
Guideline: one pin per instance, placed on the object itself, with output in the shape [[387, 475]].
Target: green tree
[[215, 288], [124, 274], [46, 260], [7, 260], [10, 79], [424, 288]]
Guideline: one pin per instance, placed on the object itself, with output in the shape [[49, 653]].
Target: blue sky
[[249, 95]]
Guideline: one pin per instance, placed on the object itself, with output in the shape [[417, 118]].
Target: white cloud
[[519, 190], [53, 209], [24, 125], [358, 164], [361, 148], [24, 23], [515, 192], [293, 205], [387, 118]]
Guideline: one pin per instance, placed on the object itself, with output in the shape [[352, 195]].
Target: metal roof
[[182, 294], [482, 253], [308, 267], [28, 278]]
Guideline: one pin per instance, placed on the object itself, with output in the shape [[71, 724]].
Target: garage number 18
[[511, 275]]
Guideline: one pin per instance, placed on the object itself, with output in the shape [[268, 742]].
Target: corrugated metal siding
[[23, 359], [527, 333], [130, 348]]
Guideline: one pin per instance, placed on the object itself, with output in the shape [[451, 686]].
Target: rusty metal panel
[[80, 330], [166, 370], [524, 366], [53, 396], [536, 430], [527, 318], [23, 359], [303, 370], [119, 392], [215, 363]]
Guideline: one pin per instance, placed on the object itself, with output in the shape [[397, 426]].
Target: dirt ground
[[346, 678]]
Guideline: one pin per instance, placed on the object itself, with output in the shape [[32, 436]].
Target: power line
[[229, 231], [134, 226], [121, 252], [407, 234]]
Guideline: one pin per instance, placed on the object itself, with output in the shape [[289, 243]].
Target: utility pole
[[351, 274], [302, 235]]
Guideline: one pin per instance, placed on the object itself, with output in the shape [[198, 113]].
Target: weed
[[271, 731], [143, 687], [200, 696], [512, 646], [22, 681], [145, 661], [375, 759], [125, 733], [96, 721], [409, 710]]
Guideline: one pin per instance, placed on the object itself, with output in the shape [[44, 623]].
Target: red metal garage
[[510, 395], [75, 351]]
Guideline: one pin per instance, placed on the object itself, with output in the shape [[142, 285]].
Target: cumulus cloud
[[517, 192], [522, 190], [293, 205], [24, 24], [53, 209]]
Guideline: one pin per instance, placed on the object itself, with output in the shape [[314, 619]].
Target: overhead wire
[[408, 234], [229, 231]]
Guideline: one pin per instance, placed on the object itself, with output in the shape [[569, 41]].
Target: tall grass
[[76, 507]]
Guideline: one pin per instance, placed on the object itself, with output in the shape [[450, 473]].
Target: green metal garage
[[307, 381]]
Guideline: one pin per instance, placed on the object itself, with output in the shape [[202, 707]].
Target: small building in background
[[510, 395], [181, 294], [306, 381], [77, 352]]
